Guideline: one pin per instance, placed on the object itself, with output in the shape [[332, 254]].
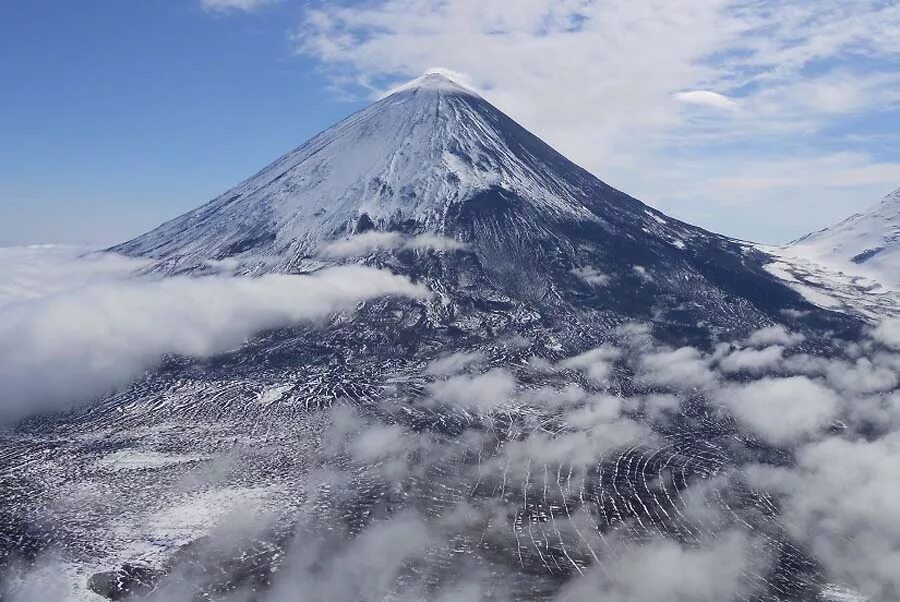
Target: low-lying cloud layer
[[68, 348], [38, 271], [633, 471]]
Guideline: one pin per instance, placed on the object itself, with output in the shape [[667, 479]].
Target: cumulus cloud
[[483, 392], [781, 411], [665, 570], [656, 406], [598, 410], [684, 368], [592, 276], [364, 567], [774, 335], [752, 360], [554, 397], [888, 333], [862, 376], [841, 501], [642, 273], [69, 348], [372, 241], [580, 448], [400, 507], [596, 364]]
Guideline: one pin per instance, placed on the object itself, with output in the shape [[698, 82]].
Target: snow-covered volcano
[[528, 227], [410, 158], [565, 387]]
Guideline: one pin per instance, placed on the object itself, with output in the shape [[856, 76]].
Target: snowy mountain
[[428, 147], [578, 386], [870, 239], [525, 226]]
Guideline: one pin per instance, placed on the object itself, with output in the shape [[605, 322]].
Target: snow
[[833, 285], [438, 79], [133, 459], [864, 244], [408, 158], [780, 270], [273, 394]]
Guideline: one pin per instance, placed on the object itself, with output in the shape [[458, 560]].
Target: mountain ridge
[[870, 238]]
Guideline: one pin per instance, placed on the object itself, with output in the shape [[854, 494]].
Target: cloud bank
[[69, 348], [618, 471]]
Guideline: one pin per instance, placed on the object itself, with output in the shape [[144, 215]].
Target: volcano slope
[[594, 397]]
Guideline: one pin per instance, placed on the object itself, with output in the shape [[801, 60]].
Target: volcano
[[530, 229], [562, 391]]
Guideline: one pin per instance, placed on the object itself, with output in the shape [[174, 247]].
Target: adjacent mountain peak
[[870, 239], [440, 80], [892, 200]]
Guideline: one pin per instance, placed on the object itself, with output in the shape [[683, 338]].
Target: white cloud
[[592, 276], [248, 6], [483, 392], [642, 273], [596, 364], [372, 241], [684, 368], [774, 335], [28, 273], [66, 349], [841, 501], [365, 567], [752, 360], [780, 411], [862, 376], [363, 244], [455, 362], [888, 333], [656, 406], [707, 99], [607, 83], [579, 448], [665, 570], [600, 409]]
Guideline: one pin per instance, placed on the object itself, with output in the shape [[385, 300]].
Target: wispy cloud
[[428, 506], [693, 92], [706, 99], [373, 241], [224, 6]]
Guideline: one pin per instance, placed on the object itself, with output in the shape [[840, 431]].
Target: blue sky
[[759, 119], [117, 115]]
